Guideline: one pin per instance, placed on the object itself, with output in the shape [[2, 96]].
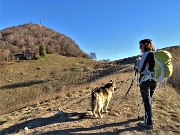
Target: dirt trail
[[70, 115]]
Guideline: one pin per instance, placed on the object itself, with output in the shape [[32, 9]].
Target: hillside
[[174, 79], [31, 81], [31, 36], [69, 113], [52, 96]]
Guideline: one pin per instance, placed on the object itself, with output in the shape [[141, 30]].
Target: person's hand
[[136, 63], [138, 58]]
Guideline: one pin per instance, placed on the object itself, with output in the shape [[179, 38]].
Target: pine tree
[[42, 51]]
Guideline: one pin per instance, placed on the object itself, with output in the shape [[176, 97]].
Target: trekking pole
[[138, 97], [133, 79], [138, 107]]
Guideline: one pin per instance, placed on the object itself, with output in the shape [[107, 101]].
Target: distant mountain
[[31, 36]]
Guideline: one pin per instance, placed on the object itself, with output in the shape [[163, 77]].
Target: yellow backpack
[[163, 65]]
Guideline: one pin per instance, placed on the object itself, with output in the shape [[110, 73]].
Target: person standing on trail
[[145, 65]]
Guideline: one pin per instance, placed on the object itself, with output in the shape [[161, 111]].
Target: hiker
[[144, 65]]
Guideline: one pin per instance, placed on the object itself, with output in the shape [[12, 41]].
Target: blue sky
[[110, 28]]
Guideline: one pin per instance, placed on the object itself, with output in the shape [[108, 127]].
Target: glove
[[136, 63]]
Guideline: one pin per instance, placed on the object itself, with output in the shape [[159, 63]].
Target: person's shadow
[[39, 122], [90, 130], [67, 117]]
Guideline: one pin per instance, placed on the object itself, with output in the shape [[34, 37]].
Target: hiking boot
[[145, 126]]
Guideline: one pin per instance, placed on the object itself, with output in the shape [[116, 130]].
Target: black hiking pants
[[147, 89]]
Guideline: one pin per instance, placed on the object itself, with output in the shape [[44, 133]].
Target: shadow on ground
[[73, 131], [39, 122], [102, 73], [68, 117], [23, 84]]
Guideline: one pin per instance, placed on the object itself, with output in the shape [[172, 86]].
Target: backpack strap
[[161, 67], [147, 76], [154, 75]]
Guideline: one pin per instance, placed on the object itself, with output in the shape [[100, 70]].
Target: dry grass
[[45, 85], [174, 80], [120, 120], [167, 109], [28, 82]]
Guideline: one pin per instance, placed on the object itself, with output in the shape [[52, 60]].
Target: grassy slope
[[25, 81], [55, 74], [43, 118], [28, 82]]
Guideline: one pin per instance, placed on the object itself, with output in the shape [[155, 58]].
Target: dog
[[100, 98]]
